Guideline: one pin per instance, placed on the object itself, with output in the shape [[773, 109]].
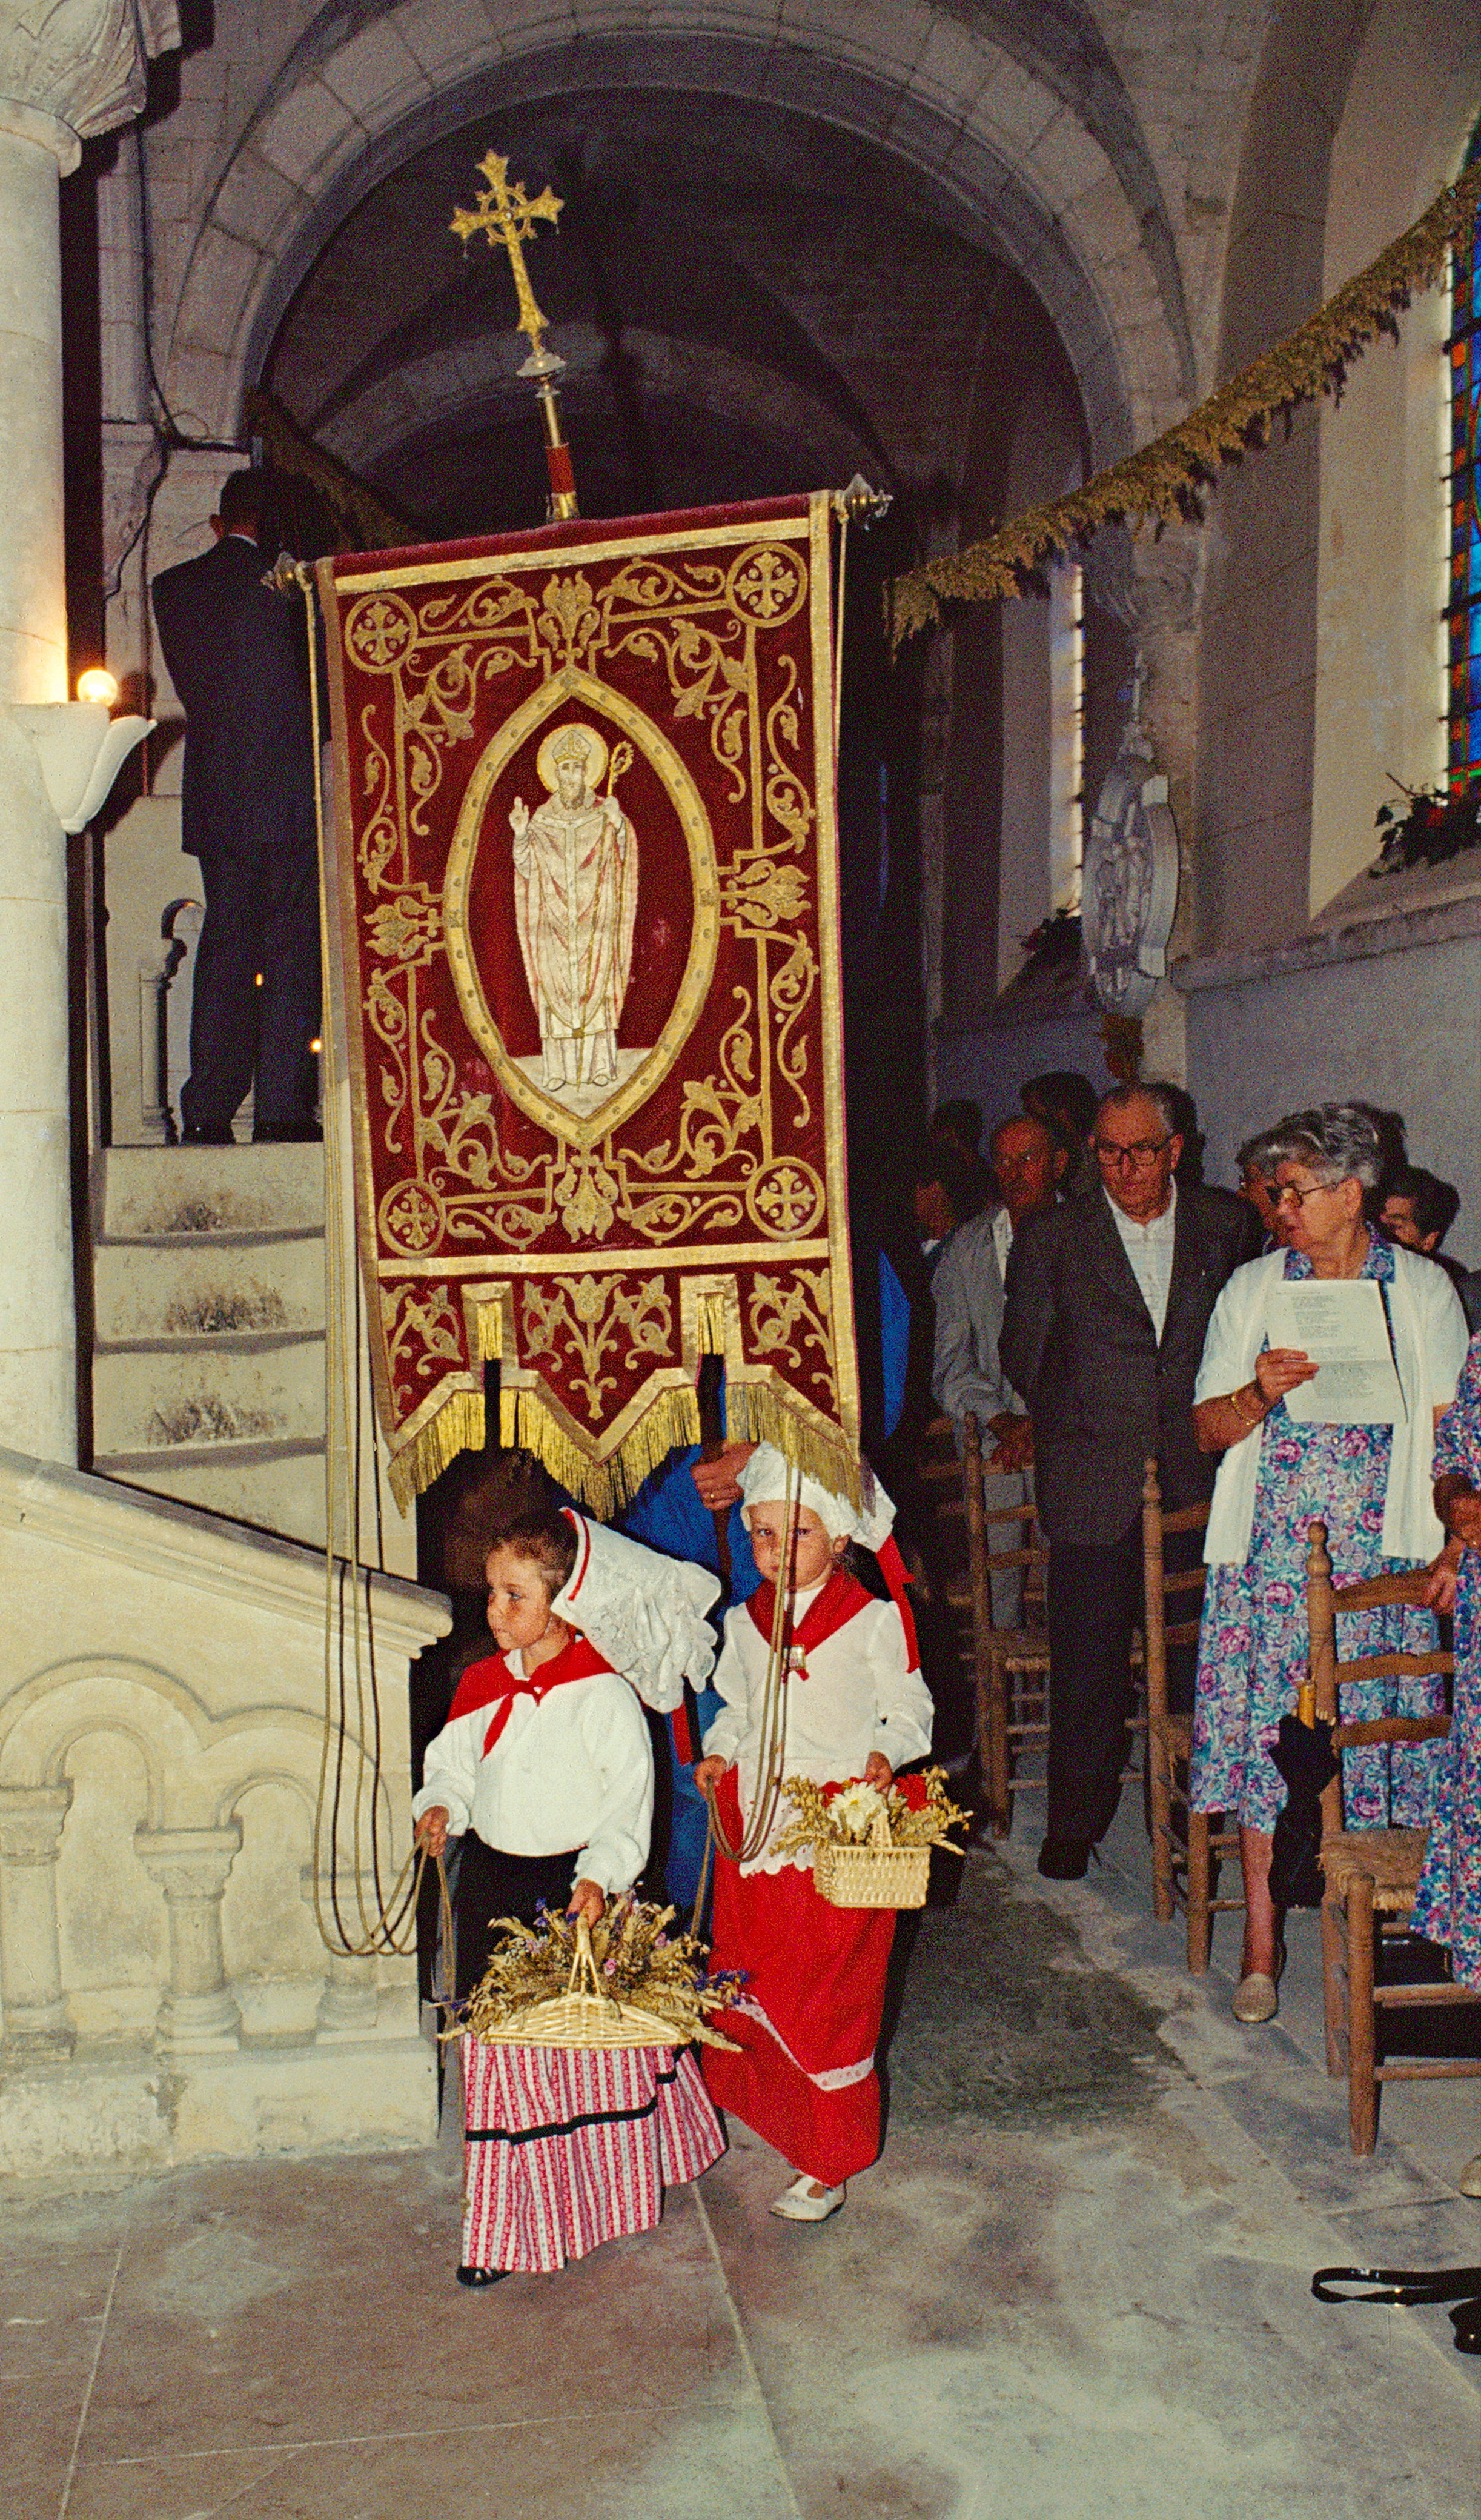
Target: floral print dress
[[1448, 1907], [1253, 1648]]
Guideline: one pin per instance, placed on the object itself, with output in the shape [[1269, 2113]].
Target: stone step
[[153, 1396], [169, 1194], [201, 1288], [276, 1487]]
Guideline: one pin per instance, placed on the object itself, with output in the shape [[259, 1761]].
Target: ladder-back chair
[[1371, 1874], [1011, 1658], [1186, 1849]]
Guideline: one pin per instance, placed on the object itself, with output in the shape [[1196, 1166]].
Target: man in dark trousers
[[1107, 1303], [235, 652]]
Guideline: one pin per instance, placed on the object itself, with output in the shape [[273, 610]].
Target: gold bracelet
[[1260, 1415]]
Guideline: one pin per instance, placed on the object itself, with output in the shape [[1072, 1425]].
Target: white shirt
[[859, 1694], [1149, 1250], [573, 1769], [1003, 1238], [1430, 1339]]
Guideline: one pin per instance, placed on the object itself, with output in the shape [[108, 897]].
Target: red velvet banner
[[585, 877]]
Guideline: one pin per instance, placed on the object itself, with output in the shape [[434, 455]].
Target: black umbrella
[[1306, 1759]]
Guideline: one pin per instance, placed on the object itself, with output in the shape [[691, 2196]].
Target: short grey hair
[[1255, 1155], [1158, 1095], [1337, 1142]]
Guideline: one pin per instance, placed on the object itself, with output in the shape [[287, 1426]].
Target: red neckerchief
[[841, 1600], [492, 1682]]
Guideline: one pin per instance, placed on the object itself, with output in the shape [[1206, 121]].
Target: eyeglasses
[[1287, 1191], [1141, 1152]]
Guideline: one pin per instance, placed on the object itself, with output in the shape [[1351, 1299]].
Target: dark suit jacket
[[1078, 1343], [236, 655]]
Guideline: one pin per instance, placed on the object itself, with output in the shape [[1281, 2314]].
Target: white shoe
[[802, 2203], [1469, 2181]]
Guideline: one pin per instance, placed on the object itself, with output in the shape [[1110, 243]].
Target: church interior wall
[[1411, 107], [1399, 1029]]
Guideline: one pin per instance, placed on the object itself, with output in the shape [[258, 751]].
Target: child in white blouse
[[545, 1758]]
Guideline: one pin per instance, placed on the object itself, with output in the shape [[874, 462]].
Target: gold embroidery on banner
[[802, 1305], [429, 1322], [725, 1158], [580, 1321]]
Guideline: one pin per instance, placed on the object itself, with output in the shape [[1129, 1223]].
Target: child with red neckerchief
[[808, 2021]]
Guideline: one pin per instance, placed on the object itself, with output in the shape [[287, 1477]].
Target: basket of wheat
[[876, 1874], [872, 1849], [556, 1984]]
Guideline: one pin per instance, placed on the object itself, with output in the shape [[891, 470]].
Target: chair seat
[[1392, 1859]]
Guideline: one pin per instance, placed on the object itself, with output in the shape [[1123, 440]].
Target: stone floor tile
[[1300, 2122], [678, 2462], [226, 2299]]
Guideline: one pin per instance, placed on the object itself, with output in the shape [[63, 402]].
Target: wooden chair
[[1011, 1661], [1371, 1874], [1186, 1850], [1010, 1656]]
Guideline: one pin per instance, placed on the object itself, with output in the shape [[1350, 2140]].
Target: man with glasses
[[1108, 1301]]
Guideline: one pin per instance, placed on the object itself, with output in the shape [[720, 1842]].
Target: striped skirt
[[566, 2147]]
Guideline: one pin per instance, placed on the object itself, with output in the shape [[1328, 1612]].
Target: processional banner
[[585, 867]]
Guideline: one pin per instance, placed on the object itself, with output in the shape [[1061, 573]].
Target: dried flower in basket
[[639, 1962], [916, 1808]]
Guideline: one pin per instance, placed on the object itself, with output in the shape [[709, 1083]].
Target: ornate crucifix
[[506, 215]]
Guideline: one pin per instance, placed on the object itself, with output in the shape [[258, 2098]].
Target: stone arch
[[993, 143], [476, 381], [51, 1712]]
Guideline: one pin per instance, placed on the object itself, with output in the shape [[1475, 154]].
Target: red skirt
[[808, 2021], [567, 2148]]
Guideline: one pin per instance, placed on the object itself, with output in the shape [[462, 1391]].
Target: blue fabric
[[894, 1342], [667, 1515]]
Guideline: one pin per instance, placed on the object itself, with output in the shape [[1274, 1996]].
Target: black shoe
[[289, 1133], [191, 1137], [475, 2276], [1064, 1859]]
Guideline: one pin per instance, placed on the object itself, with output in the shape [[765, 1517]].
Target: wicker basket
[[585, 2018], [880, 1875]]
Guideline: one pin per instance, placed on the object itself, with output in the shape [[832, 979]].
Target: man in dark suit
[[235, 652], [1107, 1303]]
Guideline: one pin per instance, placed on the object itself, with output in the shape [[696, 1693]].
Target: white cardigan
[[1431, 1340]]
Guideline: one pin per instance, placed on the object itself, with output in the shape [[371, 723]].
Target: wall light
[[98, 687]]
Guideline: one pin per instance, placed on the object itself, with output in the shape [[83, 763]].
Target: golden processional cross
[[506, 216]]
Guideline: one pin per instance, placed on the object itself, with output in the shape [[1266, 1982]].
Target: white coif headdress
[[768, 1478], [644, 1612]]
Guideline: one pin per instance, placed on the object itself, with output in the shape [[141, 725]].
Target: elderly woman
[[1447, 1907], [1369, 1484]]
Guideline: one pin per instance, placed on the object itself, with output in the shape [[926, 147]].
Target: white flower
[[855, 1811]]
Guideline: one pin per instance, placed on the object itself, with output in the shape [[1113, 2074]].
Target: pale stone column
[[65, 73], [198, 2015], [37, 2023], [350, 2004]]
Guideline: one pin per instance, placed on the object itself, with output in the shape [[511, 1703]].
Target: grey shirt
[[967, 1293]]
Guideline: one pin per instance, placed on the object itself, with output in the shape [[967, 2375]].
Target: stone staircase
[[208, 1354]]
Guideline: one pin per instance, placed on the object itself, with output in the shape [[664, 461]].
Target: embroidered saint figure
[[575, 901]]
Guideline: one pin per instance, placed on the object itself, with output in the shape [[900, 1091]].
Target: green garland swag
[[1164, 480]]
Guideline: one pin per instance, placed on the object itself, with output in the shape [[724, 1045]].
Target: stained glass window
[[1465, 606]]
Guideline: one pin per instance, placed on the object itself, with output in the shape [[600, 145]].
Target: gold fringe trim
[[1164, 480], [458, 1427], [710, 1323], [756, 1413], [760, 1413], [605, 1486]]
